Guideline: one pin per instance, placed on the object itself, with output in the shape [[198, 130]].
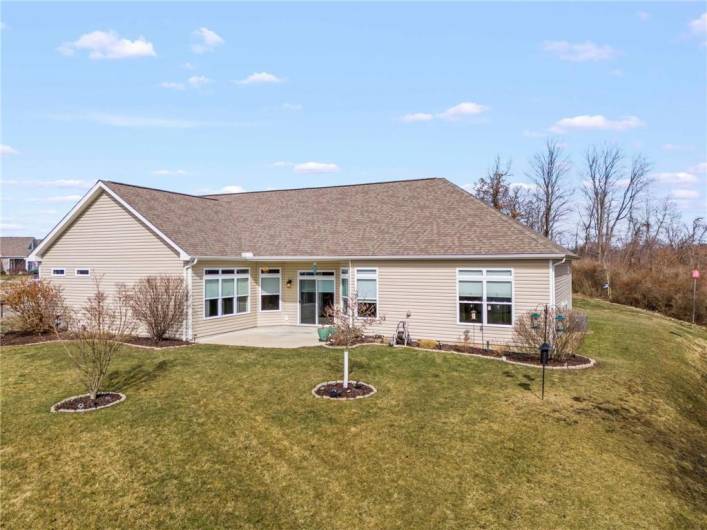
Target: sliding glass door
[[316, 296]]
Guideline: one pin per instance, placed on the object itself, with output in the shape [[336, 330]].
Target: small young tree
[[563, 329], [36, 304], [350, 325], [98, 330], [159, 303]]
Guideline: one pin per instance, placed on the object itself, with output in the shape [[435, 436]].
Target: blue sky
[[213, 96]]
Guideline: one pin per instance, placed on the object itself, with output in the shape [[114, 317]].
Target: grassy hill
[[231, 437]]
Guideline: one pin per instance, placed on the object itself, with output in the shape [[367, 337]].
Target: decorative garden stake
[[346, 369], [544, 355]]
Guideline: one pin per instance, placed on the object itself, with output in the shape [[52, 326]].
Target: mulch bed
[[16, 338], [336, 390], [164, 343], [85, 403], [571, 360]]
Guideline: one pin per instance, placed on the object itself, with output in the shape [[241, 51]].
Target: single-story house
[[14, 252], [425, 250]]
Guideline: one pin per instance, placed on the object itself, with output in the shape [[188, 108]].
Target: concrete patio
[[267, 337]]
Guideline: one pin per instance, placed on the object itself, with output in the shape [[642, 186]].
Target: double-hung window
[[344, 290], [367, 293], [270, 284], [226, 292], [485, 296]]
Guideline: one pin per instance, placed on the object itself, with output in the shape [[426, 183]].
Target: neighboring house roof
[[16, 247], [410, 218]]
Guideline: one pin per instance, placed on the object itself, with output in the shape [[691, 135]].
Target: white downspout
[[187, 334]]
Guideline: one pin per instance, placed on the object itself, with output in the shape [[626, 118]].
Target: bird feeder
[[535, 320], [560, 323]]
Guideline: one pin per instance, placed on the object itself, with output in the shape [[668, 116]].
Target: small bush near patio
[[35, 304], [159, 303], [224, 437]]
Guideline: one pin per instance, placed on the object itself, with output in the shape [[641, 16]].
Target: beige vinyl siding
[[563, 285], [113, 244], [428, 290], [202, 326]]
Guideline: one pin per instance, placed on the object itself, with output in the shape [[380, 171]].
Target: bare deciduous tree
[[611, 195], [159, 303], [350, 323], [97, 332], [548, 172], [494, 189]]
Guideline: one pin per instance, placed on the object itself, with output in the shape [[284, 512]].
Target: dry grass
[[231, 437]]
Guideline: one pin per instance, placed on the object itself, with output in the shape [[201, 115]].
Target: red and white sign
[[695, 274]]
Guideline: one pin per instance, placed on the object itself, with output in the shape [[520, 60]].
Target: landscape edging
[[503, 359], [54, 409], [314, 391]]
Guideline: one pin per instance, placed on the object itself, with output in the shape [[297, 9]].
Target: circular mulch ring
[[336, 390], [84, 403]]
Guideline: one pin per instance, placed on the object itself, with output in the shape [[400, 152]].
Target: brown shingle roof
[[16, 247], [428, 217]]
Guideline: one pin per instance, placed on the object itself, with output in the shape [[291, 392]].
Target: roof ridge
[[156, 189], [208, 195]]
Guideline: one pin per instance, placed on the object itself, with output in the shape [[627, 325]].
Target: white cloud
[[109, 45], [61, 198], [316, 167], [676, 177], [617, 72], [596, 122], [169, 172], [699, 168], [58, 183], [10, 226], [417, 116], [198, 81], [676, 147], [121, 120], [699, 25], [524, 185], [455, 113], [172, 85], [683, 194], [205, 40], [282, 163], [6, 150], [462, 110], [260, 78], [292, 106], [643, 15], [188, 66], [232, 189], [579, 51]]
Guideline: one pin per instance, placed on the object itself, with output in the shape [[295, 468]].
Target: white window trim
[[77, 269], [262, 275], [358, 269], [56, 269], [483, 279], [220, 276]]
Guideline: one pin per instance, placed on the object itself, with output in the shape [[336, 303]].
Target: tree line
[[612, 220]]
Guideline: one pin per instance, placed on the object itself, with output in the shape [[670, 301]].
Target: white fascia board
[[80, 206], [373, 258]]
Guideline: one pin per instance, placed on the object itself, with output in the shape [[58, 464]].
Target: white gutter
[[249, 257]]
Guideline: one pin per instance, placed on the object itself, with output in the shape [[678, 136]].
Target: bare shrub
[[36, 304], [159, 303], [349, 328], [564, 331], [98, 331]]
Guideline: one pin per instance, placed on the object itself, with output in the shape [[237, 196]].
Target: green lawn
[[231, 437]]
